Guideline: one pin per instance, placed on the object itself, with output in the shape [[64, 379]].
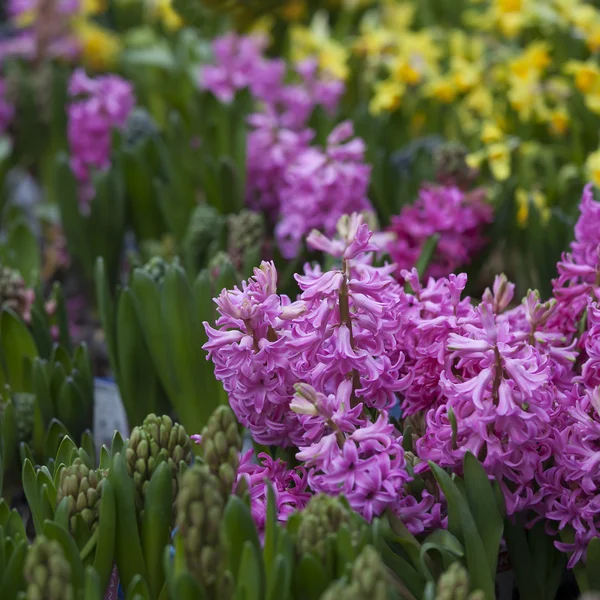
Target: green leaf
[[444, 542], [105, 547], [93, 589], [128, 548], [106, 311], [32, 494], [18, 347], [138, 588], [310, 581], [239, 528], [280, 574], [156, 525], [477, 563], [249, 583], [593, 564], [23, 252], [56, 433], [522, 560], [482, 502], [54, 532], [13, 580]]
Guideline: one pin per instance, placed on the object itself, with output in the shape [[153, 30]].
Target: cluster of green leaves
[[154, 335], [47, 391]]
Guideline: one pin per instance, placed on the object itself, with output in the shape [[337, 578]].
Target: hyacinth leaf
[[8, 439], [18, 350], [138, 588], [191, 404], [62, 318], [60, 355], [105, 546], [156, 525], [144, 213], [270, 540], [128, 548], [61, 514], [310, 581], [70, 402], [2, 554], [41, 389], [74, 224], [482, 502], [477, 562], [40, 332], [136, 374], [23, 253], [92, 587], [105, 458], [56, 433], [404, 570], [249, 584], [54, 532], [14, 526], [446, 545], [13, 576], [231, 191], [64, 456], [186, 588], [239, 528], [280, 576], [31, 493], [117, 443], [592, 559], [521, 559], [402, 536], [106, 310], [148, 305], [89, 446]]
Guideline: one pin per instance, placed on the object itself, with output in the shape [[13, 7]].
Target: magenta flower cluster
[[518, 385], [300, 186], [98, 106], [457, 216]]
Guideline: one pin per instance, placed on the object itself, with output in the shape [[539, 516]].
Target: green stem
[[91, 544]]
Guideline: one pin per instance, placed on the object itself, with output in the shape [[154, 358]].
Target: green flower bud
[[199, 509], [140, 126], [204, 228], [369, 576], [453, 584], [83, 488], [47, 572], [320, 520], [24, 413], [157, 438], [247, 231], [222, 445], [156, 268]]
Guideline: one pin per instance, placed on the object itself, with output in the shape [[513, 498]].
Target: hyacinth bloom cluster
[[300, 186], [458, 217], [322, 372], [99, 105], [7, 110]]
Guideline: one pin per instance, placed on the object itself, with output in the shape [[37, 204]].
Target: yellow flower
[[592, 167], [316, 41], [559, 121], [491, 133], [480, 101], [417, 122], [405, 72], [100, 47], [587, 74], [534, 198], [165, 13], [498, 156], [94, 7], [533, 61], [387, 97], [443, 89], [398, 16]]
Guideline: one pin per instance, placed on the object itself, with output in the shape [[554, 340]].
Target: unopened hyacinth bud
[[24, 413], [203, 229], [83, 488], [158, 438], [14, 293], [451, 166], [156, 268], [199, 509], [453, 584], [47, 572], [247, 232], [321, 520], [140, 126], [217, 263], [222, 445], [369, 577]]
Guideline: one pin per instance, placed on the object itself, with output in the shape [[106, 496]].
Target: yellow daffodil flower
[[387, 97], [100, 47], [525, 200], [164, 12], [587, 74], [592, 167]]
